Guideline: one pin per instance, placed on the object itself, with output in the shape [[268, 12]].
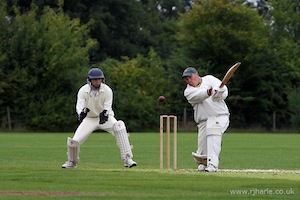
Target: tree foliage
[[43, 58], [137, 84], [122, 28], [218, 33], [143, 46], [294, 99], [285, 36]]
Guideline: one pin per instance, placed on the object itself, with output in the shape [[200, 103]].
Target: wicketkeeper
[[94, 109], [211, 115]]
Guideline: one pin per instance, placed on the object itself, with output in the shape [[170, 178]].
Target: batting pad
[[122, 139], [73, 150]]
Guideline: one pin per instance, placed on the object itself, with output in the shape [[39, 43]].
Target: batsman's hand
[[83, 114], [217, 93], [209, 91], [103, 117]]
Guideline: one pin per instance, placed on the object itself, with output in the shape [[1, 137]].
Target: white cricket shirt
[[96, 101], [202, 103]]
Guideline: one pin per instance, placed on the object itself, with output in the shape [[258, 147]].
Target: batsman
[[94, 109], [207, 94]]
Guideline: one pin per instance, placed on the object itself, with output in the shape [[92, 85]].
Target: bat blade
[[229, 73]]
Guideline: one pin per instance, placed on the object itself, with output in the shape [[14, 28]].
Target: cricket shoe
[[129, 163], [201, 168], [211, 168], [69, 164]]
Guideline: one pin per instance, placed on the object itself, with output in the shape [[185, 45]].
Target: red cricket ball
[[161, 98]]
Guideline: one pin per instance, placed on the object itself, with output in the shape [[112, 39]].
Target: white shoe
[[69, 164], [201, 168], [129, 163], [211, 168]]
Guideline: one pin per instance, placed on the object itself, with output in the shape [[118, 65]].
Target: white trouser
[[202, 149], [210, 137], [215, 127], [89, 125], [116, 128]]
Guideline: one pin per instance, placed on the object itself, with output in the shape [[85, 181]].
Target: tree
[[294, 99], [117, 26], [122, 28], [4, 24], [43, 58], [217, 33], [285, 41], [137, 84]]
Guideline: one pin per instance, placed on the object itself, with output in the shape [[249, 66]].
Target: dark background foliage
[[47, 48]]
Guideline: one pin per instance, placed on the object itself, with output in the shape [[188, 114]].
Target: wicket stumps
[[168, 119]]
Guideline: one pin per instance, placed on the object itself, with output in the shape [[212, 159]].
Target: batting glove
[[218, 94]]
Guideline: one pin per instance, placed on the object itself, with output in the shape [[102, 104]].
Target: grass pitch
[[30, 168]]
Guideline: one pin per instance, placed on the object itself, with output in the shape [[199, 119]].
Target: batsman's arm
[[196, 95], [80, 104]]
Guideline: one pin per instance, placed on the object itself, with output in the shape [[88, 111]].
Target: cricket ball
[[161, 98]]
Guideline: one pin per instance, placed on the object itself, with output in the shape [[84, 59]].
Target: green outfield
[[30, 168]]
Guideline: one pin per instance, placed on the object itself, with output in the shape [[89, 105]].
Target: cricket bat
[[229, 73]]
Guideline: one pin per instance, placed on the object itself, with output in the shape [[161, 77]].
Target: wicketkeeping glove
[[83, 114], [103, 117]]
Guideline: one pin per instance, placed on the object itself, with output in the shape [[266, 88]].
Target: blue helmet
[[95, 73]]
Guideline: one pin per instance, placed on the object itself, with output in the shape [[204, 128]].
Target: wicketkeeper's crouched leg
[[73, 153], [122, 141]]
